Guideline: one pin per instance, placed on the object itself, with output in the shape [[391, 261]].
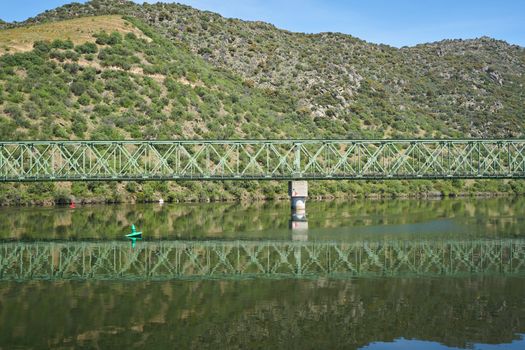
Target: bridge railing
[[260, 159]]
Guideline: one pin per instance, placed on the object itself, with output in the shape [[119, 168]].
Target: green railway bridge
[[293, 160], [260, 160]]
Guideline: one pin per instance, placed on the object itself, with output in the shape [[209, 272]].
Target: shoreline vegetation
[[63, 193]]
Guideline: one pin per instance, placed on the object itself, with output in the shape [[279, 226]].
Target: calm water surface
[[397, 274]]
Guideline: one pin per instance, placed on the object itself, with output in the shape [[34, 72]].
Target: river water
[[370, 274]]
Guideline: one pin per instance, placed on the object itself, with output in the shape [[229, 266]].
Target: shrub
[[104, 39], [71, 68], [131, 187], [61, 196], [62, 44], [71, 55], [78, 88], [204, 51], [87, 48], [60, 132], [14, 111], [42, 46], [84, 99]]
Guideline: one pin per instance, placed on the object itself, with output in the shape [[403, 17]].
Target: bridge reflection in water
[[237, 259]]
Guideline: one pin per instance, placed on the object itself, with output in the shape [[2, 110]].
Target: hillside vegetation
[[121, 85], [172, 72], [450, 88]]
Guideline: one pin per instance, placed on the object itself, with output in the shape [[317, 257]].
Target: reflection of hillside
[[488, 217], [111, 221], [396, 212], [261, 314]]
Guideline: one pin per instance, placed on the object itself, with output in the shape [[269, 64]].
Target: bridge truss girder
[[260, 159]]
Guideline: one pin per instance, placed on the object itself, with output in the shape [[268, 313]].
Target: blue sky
[[393, 22]]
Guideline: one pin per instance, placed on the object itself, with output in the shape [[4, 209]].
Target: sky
[[393, 22]]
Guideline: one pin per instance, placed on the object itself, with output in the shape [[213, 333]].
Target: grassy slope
[[78, 30], [139, 85]]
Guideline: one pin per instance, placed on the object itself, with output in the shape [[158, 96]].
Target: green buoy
[[134, 236]]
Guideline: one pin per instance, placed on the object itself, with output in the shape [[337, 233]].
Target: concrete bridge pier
[[298, 192]]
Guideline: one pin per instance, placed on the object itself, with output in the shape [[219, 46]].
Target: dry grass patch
[[79, 30]]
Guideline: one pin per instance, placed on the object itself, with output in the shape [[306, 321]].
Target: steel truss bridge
[[237, 259], [260, 159]]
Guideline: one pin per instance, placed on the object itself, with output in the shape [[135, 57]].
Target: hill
[[451, 88], [172, 72], [128, 84]]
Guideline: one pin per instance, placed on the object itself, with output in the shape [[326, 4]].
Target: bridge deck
[[260, 159]]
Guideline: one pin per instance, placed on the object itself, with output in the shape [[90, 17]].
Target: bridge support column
[[298, 192]]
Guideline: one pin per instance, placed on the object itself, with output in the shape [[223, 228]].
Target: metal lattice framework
[[195, 259], [260, 159]]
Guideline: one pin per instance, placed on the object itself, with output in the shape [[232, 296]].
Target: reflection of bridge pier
[[299, 225], [298, 192]]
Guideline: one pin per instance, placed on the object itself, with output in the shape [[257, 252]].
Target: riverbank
[[60, 193]]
